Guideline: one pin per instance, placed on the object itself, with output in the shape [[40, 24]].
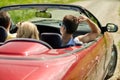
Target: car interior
[[51, 34]]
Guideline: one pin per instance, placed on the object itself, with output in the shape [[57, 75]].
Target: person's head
[[27, 30], [4, 19], [70, 24]]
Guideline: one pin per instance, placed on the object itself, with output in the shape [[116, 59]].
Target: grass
[[13, 2]]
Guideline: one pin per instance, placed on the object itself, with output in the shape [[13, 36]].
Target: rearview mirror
[[43, 14]]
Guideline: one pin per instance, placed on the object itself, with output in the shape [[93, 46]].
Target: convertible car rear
[[30, 59]]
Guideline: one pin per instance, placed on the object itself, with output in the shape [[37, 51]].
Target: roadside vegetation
[[9, 2]]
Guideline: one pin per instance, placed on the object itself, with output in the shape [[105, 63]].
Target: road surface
[[107, 11]]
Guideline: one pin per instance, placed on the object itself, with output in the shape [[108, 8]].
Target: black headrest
[[3, 34], [53, 39]]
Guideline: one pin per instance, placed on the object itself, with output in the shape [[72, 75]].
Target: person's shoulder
[[14, 35], [77, 41], [11, 36]]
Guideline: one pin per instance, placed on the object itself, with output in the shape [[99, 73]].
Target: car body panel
[[78, 65], [92, 58]]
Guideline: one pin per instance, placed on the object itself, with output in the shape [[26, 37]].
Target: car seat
[[3, 34], [53, 39]]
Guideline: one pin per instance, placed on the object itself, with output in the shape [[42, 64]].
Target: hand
[[82, 18]]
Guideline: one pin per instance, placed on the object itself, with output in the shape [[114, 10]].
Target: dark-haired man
[[5, 22], [69, 26]]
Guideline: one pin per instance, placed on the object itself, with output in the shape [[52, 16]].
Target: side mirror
[[111, 27], [43, 14]]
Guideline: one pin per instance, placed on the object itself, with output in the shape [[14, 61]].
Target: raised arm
[[95, 31]]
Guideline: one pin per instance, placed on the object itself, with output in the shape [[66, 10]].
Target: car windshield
[[50, 16]]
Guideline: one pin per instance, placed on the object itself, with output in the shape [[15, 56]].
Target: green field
[[9, 2]]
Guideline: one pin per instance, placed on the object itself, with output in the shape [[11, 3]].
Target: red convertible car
[[29, 59]]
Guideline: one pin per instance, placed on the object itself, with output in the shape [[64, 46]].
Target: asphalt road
[[107, 11]]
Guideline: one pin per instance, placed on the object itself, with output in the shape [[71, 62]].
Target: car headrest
[[3, 34], [53, 39]]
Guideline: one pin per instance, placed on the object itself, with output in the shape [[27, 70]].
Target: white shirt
[[74, 41]]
